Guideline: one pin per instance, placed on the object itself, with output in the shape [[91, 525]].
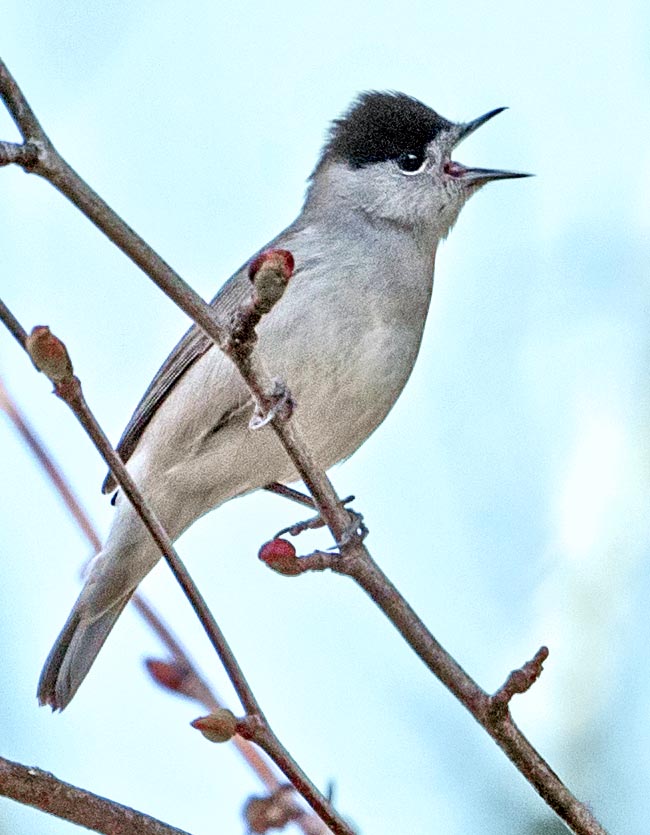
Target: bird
[[344, 338]]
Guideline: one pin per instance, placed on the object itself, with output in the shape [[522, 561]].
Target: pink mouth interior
[[454, 169]]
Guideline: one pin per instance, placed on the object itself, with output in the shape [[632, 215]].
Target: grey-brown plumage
[[344, 337]]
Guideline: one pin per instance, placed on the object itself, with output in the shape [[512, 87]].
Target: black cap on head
[[381, 126]]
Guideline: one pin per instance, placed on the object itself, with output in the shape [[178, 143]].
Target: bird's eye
[[411, 162]]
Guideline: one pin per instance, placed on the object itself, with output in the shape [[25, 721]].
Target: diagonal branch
[[46, 792], [355, 558]]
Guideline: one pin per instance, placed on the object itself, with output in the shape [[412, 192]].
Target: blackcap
[[344, 337]]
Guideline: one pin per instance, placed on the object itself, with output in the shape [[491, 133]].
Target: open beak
[[478, 176]]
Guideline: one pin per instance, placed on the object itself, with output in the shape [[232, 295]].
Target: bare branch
[[496, 721], [55, 169], [50, 355], [12, 324], [48, 464], [44, 791], [18, 107]]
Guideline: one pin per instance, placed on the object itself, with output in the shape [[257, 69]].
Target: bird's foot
[[356, 531], [281, 406], [316, 522]]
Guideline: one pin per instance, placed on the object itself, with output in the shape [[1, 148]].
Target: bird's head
[[389, 156]]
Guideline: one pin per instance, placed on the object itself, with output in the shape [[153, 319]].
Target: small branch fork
[[354, 558]]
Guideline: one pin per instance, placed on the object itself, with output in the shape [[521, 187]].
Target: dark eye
[[411, 162]]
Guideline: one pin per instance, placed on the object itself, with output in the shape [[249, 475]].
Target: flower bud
[[280, 555], [279, 260], [49, 354], [219, 726], [270, 273], [168, 674]]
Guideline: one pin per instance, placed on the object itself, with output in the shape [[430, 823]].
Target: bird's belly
[[342, 394], [344, 372]]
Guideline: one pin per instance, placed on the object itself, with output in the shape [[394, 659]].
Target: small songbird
[[344, 338]]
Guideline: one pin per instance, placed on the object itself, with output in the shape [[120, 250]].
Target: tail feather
[[73, 654]]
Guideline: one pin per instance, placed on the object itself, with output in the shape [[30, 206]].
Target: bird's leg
[[290, 493]]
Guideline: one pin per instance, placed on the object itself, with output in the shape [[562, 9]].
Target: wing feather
[[193, 345]]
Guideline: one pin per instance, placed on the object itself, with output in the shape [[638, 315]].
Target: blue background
[[507, 493]]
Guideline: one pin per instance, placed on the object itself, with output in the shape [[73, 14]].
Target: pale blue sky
[[506, 493]]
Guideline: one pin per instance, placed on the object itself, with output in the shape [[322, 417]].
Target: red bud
[[279, 260], [167, 674], [280, 555]]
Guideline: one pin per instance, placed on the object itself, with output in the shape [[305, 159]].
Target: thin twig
[[68, 388], [18, 106], [498, 723], [49, 466], [356, 559], [46, 792], [12, 324]]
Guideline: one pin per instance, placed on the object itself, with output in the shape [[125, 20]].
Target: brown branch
[[355, 560], [49, 466], [12, 324], [50, 356], [491, 712], [56, 170], [44, 791], [18, 107], [13, 154]]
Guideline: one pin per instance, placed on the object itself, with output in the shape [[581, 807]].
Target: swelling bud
[[219, 726], [167, 674], [280, 555], [270, 273], [49, 354]]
